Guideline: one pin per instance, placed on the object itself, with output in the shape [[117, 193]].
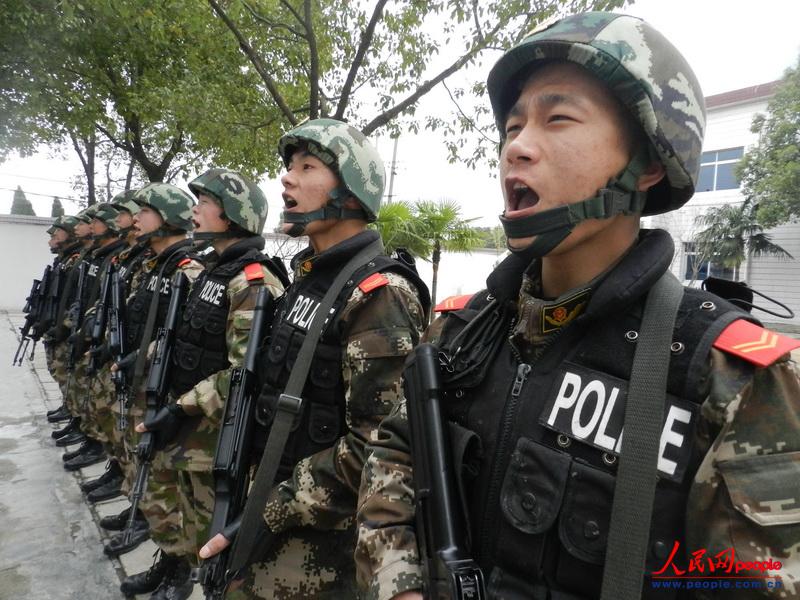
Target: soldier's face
[[207, 215], [98, 227], [307, 185], [124, 219], [566, 136], [147, 220], [59, 236], [83, 229]]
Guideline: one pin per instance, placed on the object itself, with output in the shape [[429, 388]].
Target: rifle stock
[[34, 310], [232, 456], [156, 393], [116, 345], [448, 570]]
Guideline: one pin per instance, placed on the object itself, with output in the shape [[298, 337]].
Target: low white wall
[[23, 256]]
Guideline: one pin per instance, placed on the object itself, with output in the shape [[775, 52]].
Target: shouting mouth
[[289, 202], [520, 197]]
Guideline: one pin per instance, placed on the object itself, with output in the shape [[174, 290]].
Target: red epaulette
[[453, 303], [373, 282], [753, 343], [253, 271], [184, 261]]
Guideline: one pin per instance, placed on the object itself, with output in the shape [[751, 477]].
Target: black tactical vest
[[138, 307], [200, 345], [126, 267], [322, 420], [541, 464], [95, 268]]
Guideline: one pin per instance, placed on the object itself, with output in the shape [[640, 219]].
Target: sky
[[731, 44]]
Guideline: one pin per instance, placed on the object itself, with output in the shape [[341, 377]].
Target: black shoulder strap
[[289, 405], [632, 507]]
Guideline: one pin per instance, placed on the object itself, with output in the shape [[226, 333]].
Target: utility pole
[[392, 171]]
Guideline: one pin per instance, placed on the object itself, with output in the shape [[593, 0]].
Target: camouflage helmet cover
[[87, 214], [54, 225], [172, 203], [67, 223], [125, 201], [107, 214], [644, 71], [347, 152], [242, 200]]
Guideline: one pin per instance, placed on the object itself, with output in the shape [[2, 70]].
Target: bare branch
[[477, 20], [470, 120], [270, 23], [259, 66], [294, 12], [121, 145], [358, 60], [313, 75]]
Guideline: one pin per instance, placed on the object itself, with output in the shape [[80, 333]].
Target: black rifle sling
[[289, 406], [632, 508], [149, 325]]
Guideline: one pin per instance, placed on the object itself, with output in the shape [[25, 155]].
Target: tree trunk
[[435, 258]]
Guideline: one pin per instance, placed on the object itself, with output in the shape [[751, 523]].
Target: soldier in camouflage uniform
[[103, 393], [596, 101], [332, 189], [210, 340], [161, 223]]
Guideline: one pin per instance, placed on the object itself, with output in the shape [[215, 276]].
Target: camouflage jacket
[[742, 496], [206, 400]]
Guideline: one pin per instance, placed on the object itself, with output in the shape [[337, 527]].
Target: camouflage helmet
[[87, 214], [642, 69], [348, 153], [54, 225], [65, 222], [107, 214], [125, 201], [242, 200], [172, 203]]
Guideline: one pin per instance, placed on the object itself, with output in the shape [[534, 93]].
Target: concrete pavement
[[51, 547]]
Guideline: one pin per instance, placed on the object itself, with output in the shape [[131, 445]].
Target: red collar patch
[[453, 303], [373, 282], [253, 271], [754, 344]]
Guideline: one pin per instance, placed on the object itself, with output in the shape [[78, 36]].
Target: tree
[[21, 205], [371, 66], [440, 223], [397, 225], [57, 210], [770, 171], [733, 234]]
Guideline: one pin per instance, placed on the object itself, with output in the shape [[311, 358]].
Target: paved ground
[[51, 547]]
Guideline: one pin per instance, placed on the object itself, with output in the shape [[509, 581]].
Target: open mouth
[[289, 202], [520, 196], [195, 224]]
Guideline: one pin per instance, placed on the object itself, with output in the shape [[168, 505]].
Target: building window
[[698, 268], [717, 170]]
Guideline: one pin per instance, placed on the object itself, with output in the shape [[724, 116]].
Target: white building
[[728, 137]]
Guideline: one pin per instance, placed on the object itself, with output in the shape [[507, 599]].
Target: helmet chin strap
[[210, 236], [160, 232], [110, 233], [551, 227], [334, 209]]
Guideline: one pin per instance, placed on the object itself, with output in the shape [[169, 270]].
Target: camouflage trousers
[[78, 385], [303, 563], [59, 364], [97, 410], [196, 491], [161, 507]]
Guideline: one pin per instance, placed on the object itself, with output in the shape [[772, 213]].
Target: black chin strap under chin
[[551, 227], [160, 232], [210, 236], [334, 209]]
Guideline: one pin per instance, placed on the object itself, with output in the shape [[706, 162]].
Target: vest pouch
[[327, 368], [212, 322], [187, 356], [586, 516], [323, 423], [268, 407]]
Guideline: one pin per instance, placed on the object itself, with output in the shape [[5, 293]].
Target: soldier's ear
[[351, 202], [654, 173]]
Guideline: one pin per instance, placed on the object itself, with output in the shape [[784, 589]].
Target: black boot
[[112, 472], [58, 415], [117, 545], [55, 410], [148, 581], [177, 584], [76, 437], [84, 447], [71, 427], [112, 489], [118, 522], [93, 455]]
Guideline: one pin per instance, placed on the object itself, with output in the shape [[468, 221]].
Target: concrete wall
[[23, 256]]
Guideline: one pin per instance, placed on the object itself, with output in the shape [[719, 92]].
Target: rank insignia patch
[[558, 315]]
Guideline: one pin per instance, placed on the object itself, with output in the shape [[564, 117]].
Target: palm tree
[[733, 234], [397, 225], [441, 225]]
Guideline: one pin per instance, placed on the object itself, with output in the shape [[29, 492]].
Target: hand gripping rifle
[[156, 392], [232, 457], [447, 569], [116, 345], [34, 311]]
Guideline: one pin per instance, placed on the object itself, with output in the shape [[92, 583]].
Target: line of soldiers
[[261, 427]]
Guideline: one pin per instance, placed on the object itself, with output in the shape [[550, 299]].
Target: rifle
[[447, 569], [34, 306], [116, 345], [232, 456], [100, 318], [53, 292], [156, 393], [76, 316]]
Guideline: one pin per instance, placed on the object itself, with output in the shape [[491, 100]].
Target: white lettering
[[212, 292], [601, 439], [594, 387], [673, 438], [565, 399]]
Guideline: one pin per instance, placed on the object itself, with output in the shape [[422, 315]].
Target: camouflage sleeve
[[208, 395], [746, 494], [387, 559], [379, 329]]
